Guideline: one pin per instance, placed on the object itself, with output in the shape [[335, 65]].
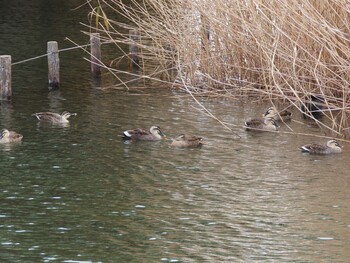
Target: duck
[[185, 140], [272, 112], [264, 124], [331, 146], [153, 134], [313, 106], [53, 117], [7, 136]]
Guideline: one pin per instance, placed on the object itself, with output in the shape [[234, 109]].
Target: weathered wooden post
[[95, 51], [54, 65], [134, 37], [5, 78]]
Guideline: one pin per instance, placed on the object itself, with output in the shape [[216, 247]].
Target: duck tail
[[36, 115], [304, 149], [126, 135]]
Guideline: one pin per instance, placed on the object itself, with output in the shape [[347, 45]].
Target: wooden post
[[5, 78], [54, 65], [134, 37], [95, 54]]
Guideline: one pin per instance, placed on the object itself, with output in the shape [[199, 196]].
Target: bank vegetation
[[286, 50]]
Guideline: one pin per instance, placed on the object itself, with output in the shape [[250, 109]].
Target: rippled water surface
[[80, 194]]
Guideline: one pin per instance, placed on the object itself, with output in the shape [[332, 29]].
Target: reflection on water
[[78, 193]]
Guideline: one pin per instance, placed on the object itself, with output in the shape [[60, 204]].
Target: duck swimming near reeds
[[53, 117], [7, 136], [265, 124], [332, 146], [185, 140], [313, 106], [153, 134], [272, 112]]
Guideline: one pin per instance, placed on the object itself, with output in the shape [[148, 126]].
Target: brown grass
[[273, 49]]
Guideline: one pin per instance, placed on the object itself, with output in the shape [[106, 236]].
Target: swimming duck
[[185, 140], [54, 117], [332, 146], [7, 136], [272, 112], [153, 134], [265, 124], [313, 106]]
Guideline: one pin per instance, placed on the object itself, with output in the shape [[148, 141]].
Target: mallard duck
[[153, 134], [7, 136], [332, 146], [185, 140], [265, 124], [54, 117], [272, 112]]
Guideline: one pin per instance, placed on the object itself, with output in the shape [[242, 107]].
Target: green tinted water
[[80, 194]]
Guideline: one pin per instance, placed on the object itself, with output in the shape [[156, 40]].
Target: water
[[79, 194]]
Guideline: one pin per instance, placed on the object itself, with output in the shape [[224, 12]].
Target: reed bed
[[287, 50]]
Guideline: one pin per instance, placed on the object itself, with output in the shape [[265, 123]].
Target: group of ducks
[[154, 133], [268, 122], [7, 136]]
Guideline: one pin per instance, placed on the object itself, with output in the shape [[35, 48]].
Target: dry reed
[[275, 49]]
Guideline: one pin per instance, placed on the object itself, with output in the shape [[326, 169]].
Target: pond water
[[80, 194]]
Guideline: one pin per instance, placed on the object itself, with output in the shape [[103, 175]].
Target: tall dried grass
[[275, 49]]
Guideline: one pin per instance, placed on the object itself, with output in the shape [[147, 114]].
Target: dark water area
[[78, 193]]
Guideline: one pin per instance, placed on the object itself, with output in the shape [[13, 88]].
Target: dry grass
[[273, 49]]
